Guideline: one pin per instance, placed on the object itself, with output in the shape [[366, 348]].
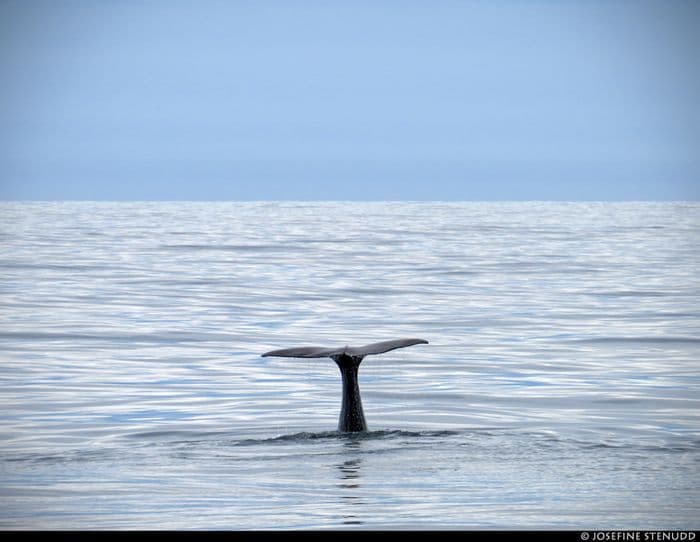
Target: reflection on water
[[560, 386], [350, 478]]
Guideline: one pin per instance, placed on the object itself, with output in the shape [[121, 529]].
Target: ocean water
[[560, 388]]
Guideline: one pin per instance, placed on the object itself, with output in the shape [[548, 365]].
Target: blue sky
[[388, 100]]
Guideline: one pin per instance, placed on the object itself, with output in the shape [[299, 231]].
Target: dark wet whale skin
[[352, 417]]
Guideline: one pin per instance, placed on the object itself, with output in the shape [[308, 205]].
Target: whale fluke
[[348, 359], [321, 352], [384, 346], [303, 352]]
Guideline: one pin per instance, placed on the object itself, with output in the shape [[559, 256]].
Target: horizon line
[[3, 200]]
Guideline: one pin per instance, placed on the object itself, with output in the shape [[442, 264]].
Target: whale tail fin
[[362, 351], [303, 352], [383, 346], [348, 359]]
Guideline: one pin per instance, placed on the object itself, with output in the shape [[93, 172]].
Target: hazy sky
[[346, 99]]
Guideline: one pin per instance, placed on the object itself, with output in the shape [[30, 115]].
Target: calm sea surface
[[560, 388]]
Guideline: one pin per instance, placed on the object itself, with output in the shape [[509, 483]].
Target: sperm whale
[[348, 359]]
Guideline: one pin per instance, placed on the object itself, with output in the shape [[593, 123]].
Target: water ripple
[[562, 371]]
